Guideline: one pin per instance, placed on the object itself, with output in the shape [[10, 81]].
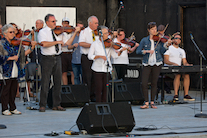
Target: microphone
[[191, 36], [122, 4], [33, 28]]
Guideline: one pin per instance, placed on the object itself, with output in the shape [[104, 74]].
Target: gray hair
[[103, 27], [91, 18], [40, 21], [6, 27]]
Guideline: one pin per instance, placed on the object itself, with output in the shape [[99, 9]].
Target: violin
[[158, 37], [16, 41], [59, 29], [108, 43], [129, 41], [26, 33]]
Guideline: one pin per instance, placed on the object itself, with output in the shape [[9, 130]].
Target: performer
[[152, 62], [122, 61], [66, 55], [87, 36], [39, 25], [175, 56], [99, 66], [13, 67], [50, 63], [76, 57]]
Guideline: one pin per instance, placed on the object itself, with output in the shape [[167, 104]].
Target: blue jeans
[[77, 70]]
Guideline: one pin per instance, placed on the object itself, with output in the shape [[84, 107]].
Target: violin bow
[[160, 37], [21, 40]]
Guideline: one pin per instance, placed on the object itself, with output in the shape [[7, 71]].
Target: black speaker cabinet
[[71, 95], [128, 91], [106, 118]]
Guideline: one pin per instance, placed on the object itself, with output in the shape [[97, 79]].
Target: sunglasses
[[53, 21], [11, 32], [152, 23], [120, 34], [178, 38]]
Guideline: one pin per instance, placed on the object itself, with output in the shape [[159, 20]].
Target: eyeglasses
[[53, 21], [178, 38], [120, 34], [11, 32], [152, 23]]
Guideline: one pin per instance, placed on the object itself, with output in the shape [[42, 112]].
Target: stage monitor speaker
[[71, 95], [106, 118], [128, 91]]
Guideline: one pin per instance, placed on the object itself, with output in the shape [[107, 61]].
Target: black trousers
[[88, 74], [51, 66], [8, 94], [100, 86], [147, 72], [120, 70]]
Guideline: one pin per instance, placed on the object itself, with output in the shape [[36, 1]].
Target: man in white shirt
[[66, 55], [175, 56], [87, 36], [50, 63]]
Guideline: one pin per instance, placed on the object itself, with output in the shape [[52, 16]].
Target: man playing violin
[[87, 36], [121, 62], [175, 56], [99, 66], [51, 63], [66, 55]]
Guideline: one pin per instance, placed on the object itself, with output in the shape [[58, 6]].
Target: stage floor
[[170, 121]]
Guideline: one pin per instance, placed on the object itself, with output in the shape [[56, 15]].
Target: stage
[[168, 121]]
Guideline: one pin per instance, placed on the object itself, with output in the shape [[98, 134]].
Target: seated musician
[[174, 56]]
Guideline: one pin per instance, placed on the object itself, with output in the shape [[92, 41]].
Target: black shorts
[[66, 58]]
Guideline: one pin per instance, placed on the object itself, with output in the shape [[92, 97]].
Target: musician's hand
[[169, 42], [77, 29], [13, 58], [34, 43], [32, 32], [188, 64], [137, 44], [175, 64], [75, 45], [150, 51], [103, 57], [60, 42]]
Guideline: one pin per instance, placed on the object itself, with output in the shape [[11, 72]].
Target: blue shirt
[[145, 44], [76, 56], [8, 65]]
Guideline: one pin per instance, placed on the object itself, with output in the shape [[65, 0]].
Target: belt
[[51, 55], [67, 52]]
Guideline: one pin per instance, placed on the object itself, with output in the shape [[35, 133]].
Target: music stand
[[200, 115]]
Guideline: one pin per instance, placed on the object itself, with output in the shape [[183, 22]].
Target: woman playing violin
[[121, 62], [13, 68], [99, 66], [152, 61]]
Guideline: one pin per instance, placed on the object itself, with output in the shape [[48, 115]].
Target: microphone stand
[[112, 28], [200, 115], [107, 68]]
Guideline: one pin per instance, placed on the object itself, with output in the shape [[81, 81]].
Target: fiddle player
[[66, 55], [12, 67], [152, 62], [39, 25], [175, 56], [97, 55], [76, 56], [121, 62], [51, 63], [87, 36]]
